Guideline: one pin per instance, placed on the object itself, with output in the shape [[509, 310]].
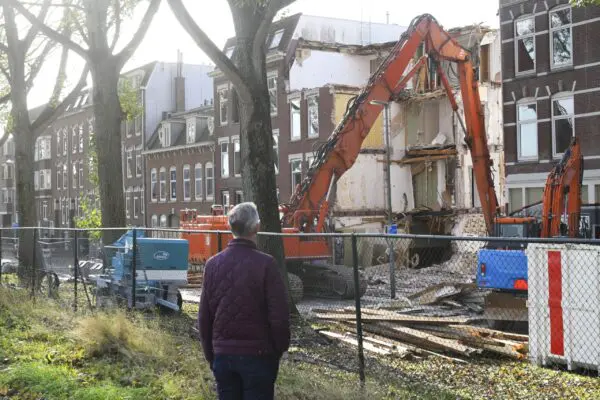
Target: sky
[[166, 36]]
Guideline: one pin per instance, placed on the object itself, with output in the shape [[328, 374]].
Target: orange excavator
[[308, 209]]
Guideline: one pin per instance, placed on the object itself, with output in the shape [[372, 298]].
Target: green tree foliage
[[129, 99], [583, 3], [90, 217]]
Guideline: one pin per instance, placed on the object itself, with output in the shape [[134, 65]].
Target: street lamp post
[[388, 190]]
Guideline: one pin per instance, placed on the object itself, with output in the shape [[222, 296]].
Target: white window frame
[[236, 141], [65, 176], [293, 158], [516, 45], [225, 195], [209, 180], [58, 177], [272, 79], [190, 130], [241, 194], [74, 174], [136, 199], [65, 142], [153, 183], [162, 183], [154, 221], [138, 162], [560, 96], [312, 134], [223, 173], [80, 173], [276, 162], [526, 102], [74, 140], [198, 182], [128, 161], [127, 200], [81, 138], [164, 218], [221, 89], [278, 34], [294, 138], [187, 181], [172, 182], [551, 35]]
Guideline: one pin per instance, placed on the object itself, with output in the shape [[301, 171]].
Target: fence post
[[359, 332], [133, 266], [75, 269], [392, 268], [33, 262], [219, 244]]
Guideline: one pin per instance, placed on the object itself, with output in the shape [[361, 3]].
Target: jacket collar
[[242, 242]]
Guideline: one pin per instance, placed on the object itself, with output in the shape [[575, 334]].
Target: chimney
[[179, 85]]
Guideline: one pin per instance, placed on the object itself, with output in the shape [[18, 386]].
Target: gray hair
[[243, 219]]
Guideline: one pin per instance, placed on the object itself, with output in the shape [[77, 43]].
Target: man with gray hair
[[244, 317]]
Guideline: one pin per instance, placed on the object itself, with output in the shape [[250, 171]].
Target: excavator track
[[330, 281]]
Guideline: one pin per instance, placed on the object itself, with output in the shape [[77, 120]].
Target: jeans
[[245, 377]]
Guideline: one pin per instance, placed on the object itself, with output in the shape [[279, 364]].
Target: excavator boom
[[340, 152], [565, 179]]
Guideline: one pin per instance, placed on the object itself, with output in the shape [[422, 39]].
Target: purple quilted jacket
[[243, 305]]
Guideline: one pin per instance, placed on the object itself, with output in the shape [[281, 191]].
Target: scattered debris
[[388, 332]]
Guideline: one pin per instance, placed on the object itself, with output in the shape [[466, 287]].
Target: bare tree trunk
[[107, 112]]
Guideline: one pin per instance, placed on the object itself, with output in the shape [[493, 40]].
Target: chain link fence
[[390, 296]]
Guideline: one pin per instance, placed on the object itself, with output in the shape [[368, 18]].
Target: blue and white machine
[[161, 268]]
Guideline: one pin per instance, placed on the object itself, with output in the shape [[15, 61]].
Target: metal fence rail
[[394, 295]]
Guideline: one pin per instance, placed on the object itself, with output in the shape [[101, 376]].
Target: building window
[[163, 221], [296, 167], [154, 221], [527, 140], [276, 150], [173, 183], [237, 158], [81, 174], [187, 183], [223, 94], [191, 130], [58, 177], [153, 191], [296, 124], [239, 197], [42, 148], [309, 161], [210, 181], [225, 199], [163, 184], [8, 171], [81, 138], [9, 147], [65, 141], [224, 159], [229, 51], [136, 206], [272, 84], [74, 174], [484, 63], [561, 37], [276, 39], [65, 176], [138, 165], [164, 134], [127, 200], [129, 163], [74, 140], [515, 199], [313, 116], [525, 44], [563, 124], [198, 182]]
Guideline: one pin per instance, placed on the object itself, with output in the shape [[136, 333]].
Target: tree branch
[[3, 48], [117, 11], [5, 72], [33, 31], [210, 49], [37, 64], [60, 77], [51, 33], [263, 30], [51, 113], [137, 38], [3, 100]]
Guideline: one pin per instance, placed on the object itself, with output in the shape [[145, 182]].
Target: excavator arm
[[564, 180], [309, 204]]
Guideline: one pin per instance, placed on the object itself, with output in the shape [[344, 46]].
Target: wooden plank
[[429, 340], [405, 319], [486, 332], [431, 152], [373, 333], [367, 346]]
